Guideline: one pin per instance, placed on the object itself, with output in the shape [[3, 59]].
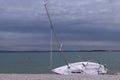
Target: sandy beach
[[57, 77]]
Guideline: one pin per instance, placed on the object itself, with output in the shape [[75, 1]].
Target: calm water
[[38, 62]]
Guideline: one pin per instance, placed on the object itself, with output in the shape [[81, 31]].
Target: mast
[[53, 32]]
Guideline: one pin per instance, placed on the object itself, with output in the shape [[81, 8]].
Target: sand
[[57, 77]]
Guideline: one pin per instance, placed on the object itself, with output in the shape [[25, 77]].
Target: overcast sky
[[80, 24]]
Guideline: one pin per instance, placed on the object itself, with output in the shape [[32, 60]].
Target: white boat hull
[[91, 68]]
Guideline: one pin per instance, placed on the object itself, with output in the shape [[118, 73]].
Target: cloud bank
[[80, 24]]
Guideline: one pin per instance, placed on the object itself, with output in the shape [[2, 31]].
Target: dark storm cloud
[[24, 26], [83, 30]]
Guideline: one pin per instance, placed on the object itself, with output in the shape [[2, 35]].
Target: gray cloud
[[23, 41]]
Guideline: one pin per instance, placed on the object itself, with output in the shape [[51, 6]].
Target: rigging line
[[53, 30], [51, 48]]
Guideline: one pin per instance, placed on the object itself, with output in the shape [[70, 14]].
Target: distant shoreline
[[67, 51]]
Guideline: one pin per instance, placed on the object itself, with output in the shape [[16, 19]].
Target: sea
[[39, 62]]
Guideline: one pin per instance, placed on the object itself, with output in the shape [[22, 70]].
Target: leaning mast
[[53, 32]]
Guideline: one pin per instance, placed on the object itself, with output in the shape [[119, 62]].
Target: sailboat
[[84, 67]]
